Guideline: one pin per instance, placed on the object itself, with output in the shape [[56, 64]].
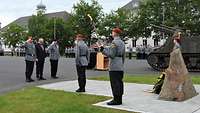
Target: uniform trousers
[[81, 76], [116, 81], [39, 68], [29, 69], [54, 67]]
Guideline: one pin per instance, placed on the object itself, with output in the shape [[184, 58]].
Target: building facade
[[133, 6]]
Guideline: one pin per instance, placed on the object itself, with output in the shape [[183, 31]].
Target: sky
[[10, 10]]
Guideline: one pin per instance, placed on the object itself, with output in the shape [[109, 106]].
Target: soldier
[[41, 55], [54, 57], [30, 58], [116, 54], [82, 60]]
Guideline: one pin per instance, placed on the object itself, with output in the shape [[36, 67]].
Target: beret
[[117, 30]]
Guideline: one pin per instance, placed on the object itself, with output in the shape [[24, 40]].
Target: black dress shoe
[[38, 78], [54, 77], [41, 78], [113, 102], [32, 80], [29, 80], [80, 90]]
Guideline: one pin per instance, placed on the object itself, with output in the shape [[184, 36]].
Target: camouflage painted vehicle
[[158, 59]]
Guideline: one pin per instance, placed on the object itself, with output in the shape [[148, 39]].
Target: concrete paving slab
[[135, 99], [197, 111]]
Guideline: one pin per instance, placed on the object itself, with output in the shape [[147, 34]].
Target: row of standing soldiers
[[37, 53], [143, 51], [69, 52]]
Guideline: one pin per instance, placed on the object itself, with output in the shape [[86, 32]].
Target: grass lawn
[[141, 79], [36, 100]]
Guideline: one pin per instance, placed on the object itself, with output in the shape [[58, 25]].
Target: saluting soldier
[[54, 56], [82, 60], [116, 54], [30, 58]]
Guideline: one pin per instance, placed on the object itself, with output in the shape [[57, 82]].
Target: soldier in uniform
[[30, 58], [54, 57], [82, 60], [41, 55], [116, 54]]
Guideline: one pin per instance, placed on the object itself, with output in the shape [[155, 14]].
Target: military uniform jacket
[[54, 52], [116, 54], [81, 54], [30, 51]]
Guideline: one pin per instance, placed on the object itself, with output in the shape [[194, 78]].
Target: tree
[[49, 29], [61, 30], [14, 35], [37, 25], [120, 18], [182, 13], [85, 17]]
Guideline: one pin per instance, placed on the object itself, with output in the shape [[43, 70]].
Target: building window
[[155, 42], [134, 43], [144, 42]]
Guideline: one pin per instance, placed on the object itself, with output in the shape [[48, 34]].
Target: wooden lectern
[[102, 62]]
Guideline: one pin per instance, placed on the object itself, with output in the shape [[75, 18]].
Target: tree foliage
[[14, 35], [55, 28], [80, 21], [37, 26], [62, 32], [120, 18], [182, 13]]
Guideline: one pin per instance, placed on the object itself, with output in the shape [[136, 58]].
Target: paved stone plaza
[[136, 97]]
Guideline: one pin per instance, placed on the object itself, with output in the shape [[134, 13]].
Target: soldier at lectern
[[116, 54]]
